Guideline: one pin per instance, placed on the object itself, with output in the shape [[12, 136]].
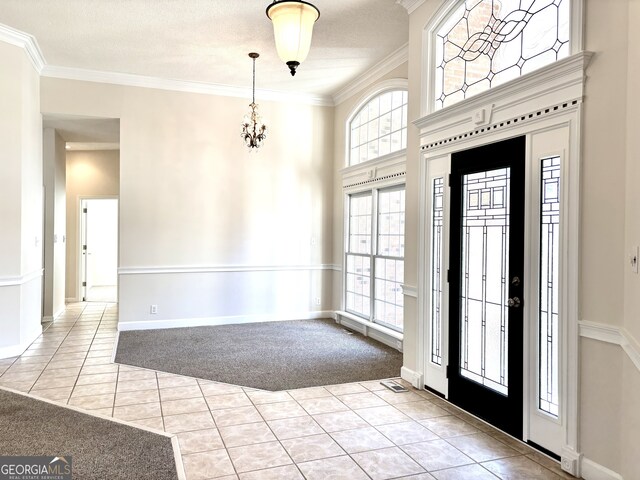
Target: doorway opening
[[99, 249], [486, 267]]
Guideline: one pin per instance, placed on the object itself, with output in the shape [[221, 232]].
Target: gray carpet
[[99, 448], [270, 356]]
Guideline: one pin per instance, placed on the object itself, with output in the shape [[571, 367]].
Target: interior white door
[[101, 253]]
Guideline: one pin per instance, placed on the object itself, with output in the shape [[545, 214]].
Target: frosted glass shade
[[293, 26]]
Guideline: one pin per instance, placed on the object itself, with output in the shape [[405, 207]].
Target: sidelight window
[[549, 286]]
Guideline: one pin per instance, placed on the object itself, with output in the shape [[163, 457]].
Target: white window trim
[[374, 188], [427, 88], [378, 89]]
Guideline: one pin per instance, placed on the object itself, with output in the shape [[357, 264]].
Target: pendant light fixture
[[292, 27], [253, 130]]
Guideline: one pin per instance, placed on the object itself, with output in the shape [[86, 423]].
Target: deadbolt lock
[[515, 281]]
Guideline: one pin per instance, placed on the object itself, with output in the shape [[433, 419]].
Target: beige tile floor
[[352, 431]]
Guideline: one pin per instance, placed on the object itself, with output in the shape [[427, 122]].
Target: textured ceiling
[[208, 40]]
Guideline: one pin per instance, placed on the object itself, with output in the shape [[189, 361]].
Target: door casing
[[503, 411], [555, 134]]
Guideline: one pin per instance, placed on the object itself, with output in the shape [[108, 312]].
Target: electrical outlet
[[154, 309], [318, 301], [569, 465]]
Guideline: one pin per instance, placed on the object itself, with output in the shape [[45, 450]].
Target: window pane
[[385, 103], [372, 126], [389, 298], [483, 291], [360, 224], [485, 43], [549, 286], [437, 209], [358, 285], [391, 222]]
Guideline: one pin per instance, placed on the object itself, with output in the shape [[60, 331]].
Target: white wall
[[55, 223], [20, 202], [89, 174], [195, 205]]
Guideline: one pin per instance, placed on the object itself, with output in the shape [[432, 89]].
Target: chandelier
[[292, 27], [253, 130]]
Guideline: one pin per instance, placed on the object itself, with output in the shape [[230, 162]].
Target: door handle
[[514, 302]]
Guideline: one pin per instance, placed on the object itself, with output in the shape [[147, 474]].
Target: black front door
[[485, 282]]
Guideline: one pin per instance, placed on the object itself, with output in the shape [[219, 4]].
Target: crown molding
[[25, 41], [143, 81], [383, 67], [410, 5]]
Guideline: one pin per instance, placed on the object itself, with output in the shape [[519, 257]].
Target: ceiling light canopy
[[292, 27]]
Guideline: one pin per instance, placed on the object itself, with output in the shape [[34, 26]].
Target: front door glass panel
[[484, 329]]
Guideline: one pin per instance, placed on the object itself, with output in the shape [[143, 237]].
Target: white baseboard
[[71, 300], [367, 331], [60, 311], [15, 350], [214, 321], [594, 471], [414, 378]]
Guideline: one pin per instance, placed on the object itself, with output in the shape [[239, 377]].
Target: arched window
[[379, 127], [483, 43]]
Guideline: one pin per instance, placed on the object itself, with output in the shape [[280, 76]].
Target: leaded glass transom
[[379, 128], [549, 286], [484, 43]]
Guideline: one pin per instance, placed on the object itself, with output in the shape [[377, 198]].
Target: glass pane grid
[[437, 211], [549, 286], [389, 299], [380, 128], [484, 286], [391, 205], [358, 285], [360, 224], [485, 43]]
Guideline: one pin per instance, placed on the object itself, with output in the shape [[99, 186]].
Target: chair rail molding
[[612, 334], [221, 269], [20, 279]]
